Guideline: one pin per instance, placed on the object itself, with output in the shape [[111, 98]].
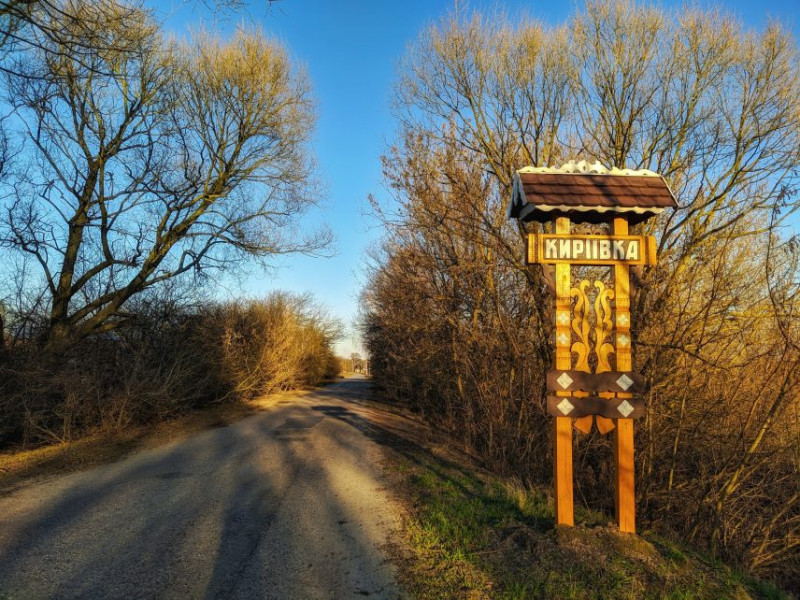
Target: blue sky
[[350, 49]]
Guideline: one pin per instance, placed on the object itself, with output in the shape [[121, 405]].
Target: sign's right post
[[623, 434]]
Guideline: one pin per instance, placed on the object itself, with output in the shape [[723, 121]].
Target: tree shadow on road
[[403, 445]]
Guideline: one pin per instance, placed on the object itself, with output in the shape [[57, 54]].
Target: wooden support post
[[562, 431], [623, 438], [562, 467], [624, 469]]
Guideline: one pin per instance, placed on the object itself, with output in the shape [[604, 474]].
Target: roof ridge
[[584, 168]]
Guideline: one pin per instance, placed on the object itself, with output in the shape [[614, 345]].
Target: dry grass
[[471, 535]]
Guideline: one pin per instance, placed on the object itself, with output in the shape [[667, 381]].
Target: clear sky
[[350, 48]]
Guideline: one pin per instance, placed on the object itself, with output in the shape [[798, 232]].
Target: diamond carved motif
[[622, 320], [563, 339], [625, 408], [565, 406], [624, 382], [623, 340], [563, 318], [564, 381]]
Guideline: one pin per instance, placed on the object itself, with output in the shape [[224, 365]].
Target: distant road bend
[[287, 504]]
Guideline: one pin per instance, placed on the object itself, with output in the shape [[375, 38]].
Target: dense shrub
[[164, 361]]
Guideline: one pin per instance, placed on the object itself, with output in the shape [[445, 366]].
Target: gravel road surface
[[287, 504]]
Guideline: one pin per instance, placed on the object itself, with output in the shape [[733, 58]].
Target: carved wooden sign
[[593, 381], [591, 249]]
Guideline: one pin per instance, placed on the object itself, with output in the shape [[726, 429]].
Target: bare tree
[[147, 159], [55, 19]]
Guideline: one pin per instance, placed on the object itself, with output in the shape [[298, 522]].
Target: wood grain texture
[[562, 427], [582, 345], [625, 493], [604, 424], [562, 466], [584, 424]]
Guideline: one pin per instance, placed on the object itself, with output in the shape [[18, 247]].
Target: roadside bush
[[254, 348], [166, 360]]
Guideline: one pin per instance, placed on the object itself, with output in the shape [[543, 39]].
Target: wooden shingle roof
[[588, 193]]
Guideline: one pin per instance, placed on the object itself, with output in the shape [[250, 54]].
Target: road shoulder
[[467, 533]]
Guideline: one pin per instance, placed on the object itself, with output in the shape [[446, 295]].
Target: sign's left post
[[562, 463]]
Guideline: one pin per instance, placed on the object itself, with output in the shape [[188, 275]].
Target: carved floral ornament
[[581, 326]]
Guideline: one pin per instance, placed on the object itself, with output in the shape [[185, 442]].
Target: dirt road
[[287, 504]]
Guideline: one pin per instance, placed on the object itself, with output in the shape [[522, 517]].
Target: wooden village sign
[[593, 379]]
